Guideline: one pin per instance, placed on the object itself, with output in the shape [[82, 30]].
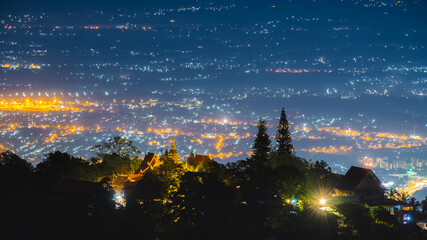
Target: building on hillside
[[199, 159], [359, 185], [150, 161], [422, 224]]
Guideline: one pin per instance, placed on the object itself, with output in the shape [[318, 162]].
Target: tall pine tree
[[261, 146], [283, 137]]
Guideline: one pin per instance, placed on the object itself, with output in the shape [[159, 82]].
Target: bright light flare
[[119, 199]]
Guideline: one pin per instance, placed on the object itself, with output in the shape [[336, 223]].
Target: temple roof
[[354, 177], [150, 161]]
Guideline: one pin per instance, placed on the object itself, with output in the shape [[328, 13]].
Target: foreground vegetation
[[272, 195]]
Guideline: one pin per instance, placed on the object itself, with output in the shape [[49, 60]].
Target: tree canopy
[[261, 146], [283, 136]]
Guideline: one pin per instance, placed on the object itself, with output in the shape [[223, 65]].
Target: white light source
[[118, 198], [322, 201]]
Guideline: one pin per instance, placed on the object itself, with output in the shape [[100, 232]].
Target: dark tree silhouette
[[115, 164], [261, 146], [283, 137], [14, 163], [15, 176], [60, 164], [411, 201], [196, 207], [120, 146], [381, 215], [357, 221], [424, 205], [117, 155], [191, 157], [19, 196], [322, 169]]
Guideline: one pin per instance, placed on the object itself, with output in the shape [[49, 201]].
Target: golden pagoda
[[173, 153]]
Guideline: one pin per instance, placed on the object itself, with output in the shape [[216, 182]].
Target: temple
[[148, 163], [173, 153]]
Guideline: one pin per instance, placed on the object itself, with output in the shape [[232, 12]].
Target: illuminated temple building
[[173, 153], [150, 161]]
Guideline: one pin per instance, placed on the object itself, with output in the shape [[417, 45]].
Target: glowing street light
[[120, 201]]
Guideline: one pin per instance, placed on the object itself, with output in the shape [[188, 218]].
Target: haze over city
[[354, 93], [256, 119]]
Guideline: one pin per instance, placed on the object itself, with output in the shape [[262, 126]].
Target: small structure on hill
[[422, 224], [360, 185], [150, 161]]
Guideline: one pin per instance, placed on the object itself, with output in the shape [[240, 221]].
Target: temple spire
[[173, 153], [173, 144]]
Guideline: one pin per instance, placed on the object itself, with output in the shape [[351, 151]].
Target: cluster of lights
[[287, 70], [40, 105], [15, 66], [415, 141], [393, 146], [331, 150], [369, 164]]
